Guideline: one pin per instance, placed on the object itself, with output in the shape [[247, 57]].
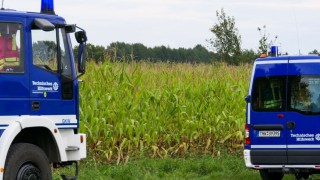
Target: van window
[[269, 94], [305, 94]]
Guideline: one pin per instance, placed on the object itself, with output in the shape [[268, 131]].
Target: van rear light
[[247, 135]]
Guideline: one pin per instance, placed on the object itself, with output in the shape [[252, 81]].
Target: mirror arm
[[80, 28], [73, 79]]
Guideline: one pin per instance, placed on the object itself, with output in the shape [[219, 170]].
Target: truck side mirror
[[82, 58], [81, 38]]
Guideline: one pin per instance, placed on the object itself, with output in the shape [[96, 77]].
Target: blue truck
[[39, 94], [283, 117]]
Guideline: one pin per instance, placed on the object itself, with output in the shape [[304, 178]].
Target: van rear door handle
[[291, 125]]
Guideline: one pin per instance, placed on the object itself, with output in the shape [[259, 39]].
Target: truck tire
[[26, 161], [266, 175]]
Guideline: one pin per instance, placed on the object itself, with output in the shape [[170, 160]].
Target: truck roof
[[24, 14]]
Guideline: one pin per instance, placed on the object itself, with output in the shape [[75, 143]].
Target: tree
[[314, 52], [227, 41], [263, 42]]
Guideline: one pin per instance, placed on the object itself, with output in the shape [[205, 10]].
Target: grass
[[224, 167], [205, 167]]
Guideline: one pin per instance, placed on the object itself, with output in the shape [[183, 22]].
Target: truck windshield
[[50, 49]]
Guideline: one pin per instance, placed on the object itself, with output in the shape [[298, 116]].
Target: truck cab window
[[305, 94], [269, 94], [44, 49], [66, 69], [11, 59]]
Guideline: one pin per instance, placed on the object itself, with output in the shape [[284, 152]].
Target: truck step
[[72, 148]]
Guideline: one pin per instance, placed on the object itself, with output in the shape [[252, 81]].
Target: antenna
[[2, 5], [297, 27]]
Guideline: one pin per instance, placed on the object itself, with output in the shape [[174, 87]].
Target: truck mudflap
[[75, 144]]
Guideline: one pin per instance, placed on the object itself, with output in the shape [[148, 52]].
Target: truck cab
[[39, 94], [283, 117]]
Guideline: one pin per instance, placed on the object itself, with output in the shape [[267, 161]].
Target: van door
[[303, 122], [267, 118]]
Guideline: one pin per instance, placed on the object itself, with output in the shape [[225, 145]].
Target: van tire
[[266, 175], [26, 161]]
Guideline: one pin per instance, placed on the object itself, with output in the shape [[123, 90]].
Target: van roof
[[303, 57]]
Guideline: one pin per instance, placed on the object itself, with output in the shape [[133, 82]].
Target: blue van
[[283, 117]]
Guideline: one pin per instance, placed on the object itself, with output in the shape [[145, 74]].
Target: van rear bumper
[[259, 160], [274, 158]]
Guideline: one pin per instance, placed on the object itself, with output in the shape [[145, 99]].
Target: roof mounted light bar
[[47, 7]]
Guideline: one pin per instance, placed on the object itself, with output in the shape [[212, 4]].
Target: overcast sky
[[186, 23]]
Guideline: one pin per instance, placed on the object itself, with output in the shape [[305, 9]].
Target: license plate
[[269, 133]]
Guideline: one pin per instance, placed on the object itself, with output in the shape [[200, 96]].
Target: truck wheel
[[266, 175], [27, 162]]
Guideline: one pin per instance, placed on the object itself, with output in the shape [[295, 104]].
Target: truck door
[[52, 90], [303, 122], [267, 113]]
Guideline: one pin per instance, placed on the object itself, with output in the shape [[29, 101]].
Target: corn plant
[[131, 110]]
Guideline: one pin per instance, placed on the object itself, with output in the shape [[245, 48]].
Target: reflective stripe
[[3, 126], [13, 59], [294, 146], [61, 121], [272, 62], [249, 114], [14, 43], [268, 146], [282, 166], [312, 146], [304, 61]]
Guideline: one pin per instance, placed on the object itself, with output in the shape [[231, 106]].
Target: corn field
[[133, 110]]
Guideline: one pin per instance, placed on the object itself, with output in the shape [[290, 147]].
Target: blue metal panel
[[266, 70], [50, 99], [1, 132], [14, 91], [267, 118]]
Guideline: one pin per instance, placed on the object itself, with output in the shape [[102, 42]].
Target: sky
[[186, 23]]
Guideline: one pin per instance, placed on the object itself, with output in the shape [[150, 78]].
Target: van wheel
[[266, 175], [302, 176], [27, 162]]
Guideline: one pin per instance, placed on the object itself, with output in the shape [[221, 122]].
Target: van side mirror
[[248, 99]]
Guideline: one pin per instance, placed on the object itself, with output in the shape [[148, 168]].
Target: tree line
[[120, 51]]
